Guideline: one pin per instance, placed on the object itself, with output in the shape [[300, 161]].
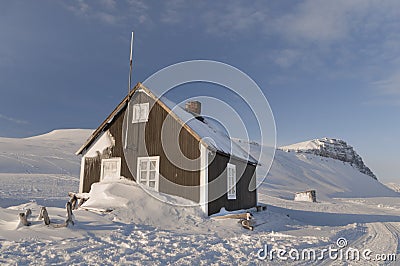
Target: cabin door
[[110, 169]]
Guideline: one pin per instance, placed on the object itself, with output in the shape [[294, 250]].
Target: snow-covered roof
[[214, 137], [205, 131]]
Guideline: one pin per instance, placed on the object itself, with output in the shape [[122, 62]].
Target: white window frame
[[116, 160], [141, 179], [138, 109], [231, 181]]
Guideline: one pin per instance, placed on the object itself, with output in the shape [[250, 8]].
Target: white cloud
[[173, 13], [316, 21], [106, 17], [310, 33], [139, 11], [340, 21], [79, 7], [14, 120], [109, 4], [235, 18], [312, 21], [389, 86], [107, 12], [286, 57], [386, 91]]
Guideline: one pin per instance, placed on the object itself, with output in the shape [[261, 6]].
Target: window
[[140, 112], [110, 168], [231, 176], [148, 171]]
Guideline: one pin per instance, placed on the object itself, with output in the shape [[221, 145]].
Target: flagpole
[[130, 63], [129, 91]]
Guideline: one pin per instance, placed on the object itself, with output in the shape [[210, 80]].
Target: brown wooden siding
[[116, 130], [91, 172], [172, 171], [244, 198], [144, 139]]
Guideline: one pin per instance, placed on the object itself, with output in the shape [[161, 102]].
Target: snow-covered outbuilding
[[171, 150], [309, 195]]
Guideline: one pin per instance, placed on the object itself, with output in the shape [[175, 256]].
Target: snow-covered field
[[40, 171]]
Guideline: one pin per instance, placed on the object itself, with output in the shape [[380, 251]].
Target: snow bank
[[86, 223], [130, 203]]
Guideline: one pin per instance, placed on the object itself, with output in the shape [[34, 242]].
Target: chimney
[[193, 107]]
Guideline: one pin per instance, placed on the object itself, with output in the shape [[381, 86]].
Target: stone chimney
[[193, 107]]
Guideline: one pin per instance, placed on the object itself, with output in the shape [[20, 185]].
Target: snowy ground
[[351, 205]]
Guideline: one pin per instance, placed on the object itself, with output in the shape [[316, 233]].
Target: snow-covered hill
[[331, 148], [51, 158], [141, 230], [333, 173], [51, 153], [294, 172], [42, 168]]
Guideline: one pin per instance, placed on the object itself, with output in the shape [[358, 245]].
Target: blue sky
[[328, 68]]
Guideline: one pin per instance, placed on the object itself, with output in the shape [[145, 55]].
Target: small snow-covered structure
[[309, 195], [168, 149]]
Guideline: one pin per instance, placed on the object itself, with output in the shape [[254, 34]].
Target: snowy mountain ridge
[[331, 148]]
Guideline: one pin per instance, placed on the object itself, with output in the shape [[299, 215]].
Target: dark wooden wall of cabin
[[144, 139], [91, 172], [244, 198], [116, 130]]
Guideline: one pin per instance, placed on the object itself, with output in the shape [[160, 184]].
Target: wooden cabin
[[172, 150]]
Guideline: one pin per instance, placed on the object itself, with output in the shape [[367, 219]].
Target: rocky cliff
[[331, 148]]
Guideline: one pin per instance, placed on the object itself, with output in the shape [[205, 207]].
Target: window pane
[[110, 169], [144, 111], [153, 165], [152, 175], [136, 113], [110, 166], [152, 184], [143, 165], [143, 175]]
